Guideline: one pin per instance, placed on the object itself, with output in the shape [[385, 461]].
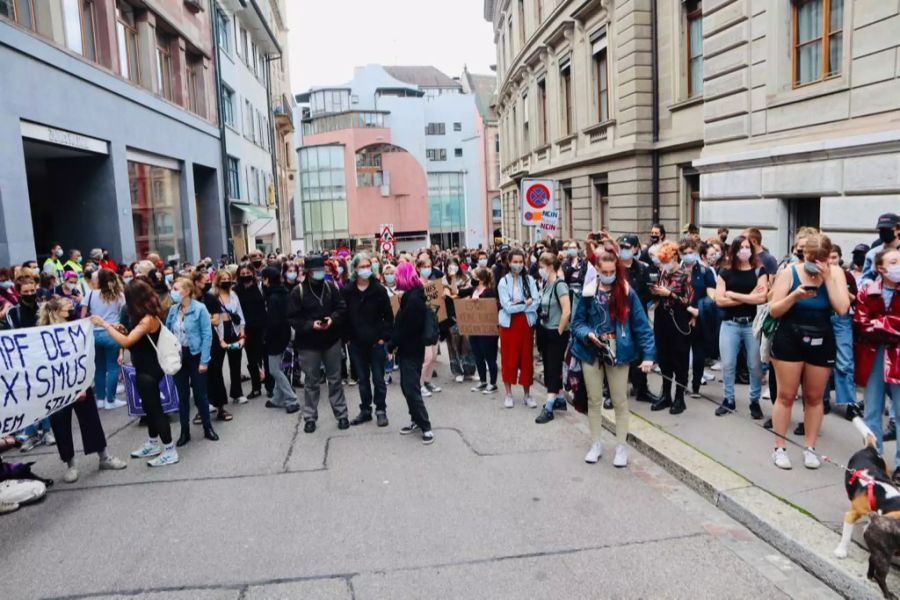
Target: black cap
[[888, 221], [313, 262], [630, 239], [861, 249]]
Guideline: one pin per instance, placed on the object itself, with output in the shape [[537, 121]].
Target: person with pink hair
[[408, 343]]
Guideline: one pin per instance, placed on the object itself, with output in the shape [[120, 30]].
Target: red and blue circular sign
[[537, 196]]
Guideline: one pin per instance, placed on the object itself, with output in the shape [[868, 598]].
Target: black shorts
[[813, 344]]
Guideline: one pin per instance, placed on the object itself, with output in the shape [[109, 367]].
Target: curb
[[793, 532]]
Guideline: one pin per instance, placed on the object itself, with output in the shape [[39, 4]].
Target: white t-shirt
[[108, 311]]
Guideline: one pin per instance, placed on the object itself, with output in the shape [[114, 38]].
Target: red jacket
[[875, 327], [108, 264]]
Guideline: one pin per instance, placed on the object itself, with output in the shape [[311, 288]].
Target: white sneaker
[[765, 393], [529, 402], [428, 438], [425, 392], [810, 460], [708, 375], [432, 388], [509, 402], [241, 400], [490, 389], [781, 459], [49, 439], [717, 366], [594, 453], [656, 369], [168, 457], [480, 387], [621, 458], [101, 404], [114, 404], [71, 475], [460, 378], [112, 463], [147, 450]]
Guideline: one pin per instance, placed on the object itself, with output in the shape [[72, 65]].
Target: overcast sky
[[329, 37]]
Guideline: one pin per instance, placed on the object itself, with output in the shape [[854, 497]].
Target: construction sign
[[537, 197]]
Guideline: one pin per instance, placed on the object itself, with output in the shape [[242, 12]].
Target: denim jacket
[[508, 309], [634, 338], [197, 327]]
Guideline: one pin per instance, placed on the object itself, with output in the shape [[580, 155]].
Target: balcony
[[283, 113], [345, 120]]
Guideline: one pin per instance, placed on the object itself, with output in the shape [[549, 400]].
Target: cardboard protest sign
[[43, 370], [395, 303], [167, 392], [434, 296], [477, 317]]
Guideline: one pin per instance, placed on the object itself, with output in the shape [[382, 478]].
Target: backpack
[[431, 330], [168, 350]]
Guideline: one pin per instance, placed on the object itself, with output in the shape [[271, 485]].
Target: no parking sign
[[537, 197]]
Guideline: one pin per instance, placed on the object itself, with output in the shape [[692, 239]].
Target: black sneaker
[[363, 417], [853, 410], [382, 419], [254, 394], [768, 424], [309, 427], [607, 403], [344, 423], [545, 417], [724, 409], [411, 428], [895, 478], [890, 434], [480, 387], [755, 411], [291, 409], [800, 429], [560, 404], [428, 438], [826, 407]]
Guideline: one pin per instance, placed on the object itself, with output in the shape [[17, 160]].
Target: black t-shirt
[[741, 282]]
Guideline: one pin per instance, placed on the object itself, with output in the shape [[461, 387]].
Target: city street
[[498, 507]]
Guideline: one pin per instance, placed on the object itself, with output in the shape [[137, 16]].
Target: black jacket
[[253, 306], [369, 314], [278, 332], [409, 325], [22, 316], [305, 308], [639, 280]]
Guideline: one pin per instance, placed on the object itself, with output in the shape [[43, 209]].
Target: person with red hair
[[610, 331]]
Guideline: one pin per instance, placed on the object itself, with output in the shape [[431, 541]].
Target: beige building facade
[[602, 97], [283, 105]]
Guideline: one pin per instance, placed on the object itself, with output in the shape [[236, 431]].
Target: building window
[[568, 215], [818, 39], [514, 133], [368, 168], [540, 11], [565, 92], [694, 48], [234, 178], [692, 181], [526, 134], [601, 201], [228, 106], [457, 126], [522, 23], [248, 120], [601, 79], [446, 202], [196, 84], [126, 36], [20, 11], [543, 133], [496, 209], [436, 154], [243, 48], [222, 30], [458, 152], [156, 210], [164, 65], [78, 26], [435, 129], [323, 195], [250, 57]]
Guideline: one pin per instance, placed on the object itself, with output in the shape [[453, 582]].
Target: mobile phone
[[810, 288], [654, 277], [597, 237]]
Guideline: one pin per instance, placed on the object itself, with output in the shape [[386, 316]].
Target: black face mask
[[207, 287], [886, 235], [799, 253], [257, 263], [654, 239], [72, 315], [28, 299], [226, 285], [106, 256], [245, 279]]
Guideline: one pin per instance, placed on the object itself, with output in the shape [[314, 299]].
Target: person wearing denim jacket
[[610, 313], [519, 303], [189, 320]]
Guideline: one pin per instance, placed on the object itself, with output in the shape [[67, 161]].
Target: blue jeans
[[106, 362], [841, 380], [876, 389], [732, 336]]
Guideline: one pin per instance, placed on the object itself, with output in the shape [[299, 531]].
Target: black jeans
[[553, 354], [410, 376], [147, 385], [190, 379], [215, 376], [698, 356], [256, 360], [484, 347], [673, 343], [368, 363], [92, 435]]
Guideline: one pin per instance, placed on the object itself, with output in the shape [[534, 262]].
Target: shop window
[[818, 39], [156, 210]]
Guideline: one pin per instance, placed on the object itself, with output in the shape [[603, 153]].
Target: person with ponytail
[[107, 302], [610, 330]]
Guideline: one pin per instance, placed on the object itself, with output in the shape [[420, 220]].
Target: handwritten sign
[[434, 296], [167, 391], [476, 317], [43, 370]]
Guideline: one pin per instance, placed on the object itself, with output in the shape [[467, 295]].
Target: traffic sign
[[386, 238], [537, 199]]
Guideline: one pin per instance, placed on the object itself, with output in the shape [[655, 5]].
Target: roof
[[422, 76], [484, 88]]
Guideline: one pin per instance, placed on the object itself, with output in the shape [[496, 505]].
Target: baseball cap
[[629, 240], [861, 249], [888, 221]]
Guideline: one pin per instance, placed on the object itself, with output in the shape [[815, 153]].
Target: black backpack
[[431, 330]]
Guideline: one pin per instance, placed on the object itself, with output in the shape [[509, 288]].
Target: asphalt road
[[497, 508]]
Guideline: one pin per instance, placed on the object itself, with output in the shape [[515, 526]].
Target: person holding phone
[[803, 349]]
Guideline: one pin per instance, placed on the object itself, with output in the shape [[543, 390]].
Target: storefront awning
[[253, 211]]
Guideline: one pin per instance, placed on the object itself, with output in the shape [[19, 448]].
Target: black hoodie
[[278, 331], [369, 314], [409, 324]]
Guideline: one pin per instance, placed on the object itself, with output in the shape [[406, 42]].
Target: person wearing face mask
[[107, 301], [215, 378], [369, 323], [291, 276], [553, 331], [8, 295], [518, 314], [657, 236], [70, 288], [739, 289], [256, 261], [462, 363], [75, 264], [481, 260], [574, 267], [426, 273], [722, 235], [841, 380], [254, 307], [127, 276], [610, 331], [803, 347], [277, 338], [169, 276], [639, 279], [857, 263], [877, 344], [888, 227], [703, 283], [53, 265], [389, 275], [711, 255], [230, 333], [673, 326], [317, 312]]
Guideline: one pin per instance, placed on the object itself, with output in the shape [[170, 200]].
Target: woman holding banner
[[484, 347], [60, 310], [142, 306]]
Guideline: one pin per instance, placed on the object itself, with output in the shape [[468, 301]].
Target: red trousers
[[517, 351]]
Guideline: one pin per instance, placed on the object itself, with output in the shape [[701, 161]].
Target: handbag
[[168, 350]]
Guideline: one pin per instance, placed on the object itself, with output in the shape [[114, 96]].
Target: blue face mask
[[59, 253], [6, 284], [376, 267], [572, 252], [482, 263], [690, 259], [169, 278], [318, 275], [811, 268], [127, 280], [516, 268], [390, 278], [291, 276], [176, 296], [364, 273], [425, 273], [626, 254], [607, 279]]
